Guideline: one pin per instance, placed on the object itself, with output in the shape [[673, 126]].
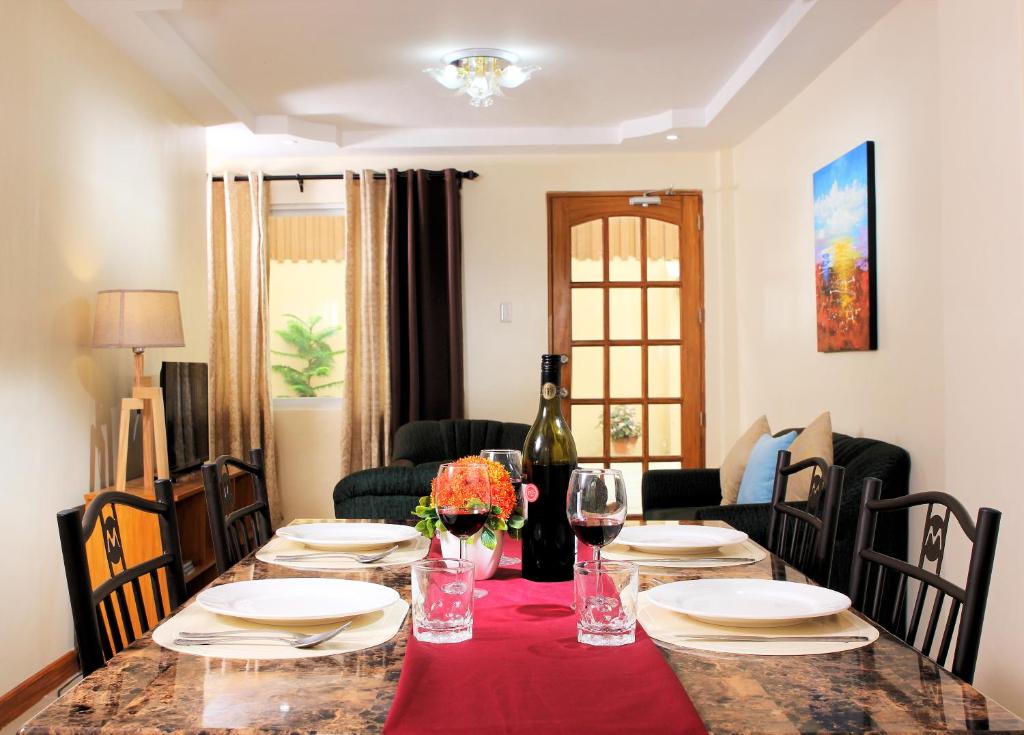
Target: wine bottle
[[549, 457]]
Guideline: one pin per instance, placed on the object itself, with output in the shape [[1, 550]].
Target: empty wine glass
[[462, 496], [596, 506], [512, 461]]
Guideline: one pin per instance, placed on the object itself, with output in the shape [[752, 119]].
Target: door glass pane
[[587, 242], [624, 248], [587, 372], [662, 251], [633, 474], [662, 313], [625, 372], [587, 313], [663, 371], [664, 424], [665, 466], [586, 430], [624, 313], [626, 430]]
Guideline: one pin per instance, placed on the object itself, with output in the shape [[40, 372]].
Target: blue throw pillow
[[758, 478]]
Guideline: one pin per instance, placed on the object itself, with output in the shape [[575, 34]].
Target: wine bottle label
[[548, 391], [532, 492]]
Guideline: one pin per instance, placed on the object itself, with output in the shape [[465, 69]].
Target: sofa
[[419, 448], [696, 495]]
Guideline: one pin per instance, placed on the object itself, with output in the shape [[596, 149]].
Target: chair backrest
[[236, 532], [111, 616], [805, 538], [873, 571]]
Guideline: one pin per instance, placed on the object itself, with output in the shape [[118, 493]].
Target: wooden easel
[[150, 401]]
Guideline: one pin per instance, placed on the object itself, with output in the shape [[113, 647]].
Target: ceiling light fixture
[[481, 73], [671, 136]]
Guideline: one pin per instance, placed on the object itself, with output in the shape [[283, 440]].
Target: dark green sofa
[[419, 449], [696, 495]]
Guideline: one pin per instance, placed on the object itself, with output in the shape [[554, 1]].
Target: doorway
[[626, 304]]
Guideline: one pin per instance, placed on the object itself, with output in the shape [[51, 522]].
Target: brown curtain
[[365, 405], [425, 312], [239, 397]]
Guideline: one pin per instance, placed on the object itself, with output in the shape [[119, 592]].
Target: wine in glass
[[596, 506], [462, 496], [512, 461]]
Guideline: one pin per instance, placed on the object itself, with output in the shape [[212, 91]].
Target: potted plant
[[625, 430], [503, 518]]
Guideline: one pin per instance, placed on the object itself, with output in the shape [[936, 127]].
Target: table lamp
[[139, 319]]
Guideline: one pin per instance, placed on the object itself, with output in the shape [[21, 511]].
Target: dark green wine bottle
[[549, 457]]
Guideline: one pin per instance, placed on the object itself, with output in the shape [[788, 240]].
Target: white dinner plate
[[748, 603], [304, 601], [347, 536], [679, 539]]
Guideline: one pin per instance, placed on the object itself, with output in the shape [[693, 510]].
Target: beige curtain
[[240, 408], [624, 239], [366, 397]]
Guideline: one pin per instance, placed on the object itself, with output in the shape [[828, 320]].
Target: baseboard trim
[[24, 695]]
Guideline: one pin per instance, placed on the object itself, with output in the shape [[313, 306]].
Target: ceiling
[[343, 75]]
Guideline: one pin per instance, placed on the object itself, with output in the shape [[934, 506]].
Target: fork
[[361, 558], [228, 637]]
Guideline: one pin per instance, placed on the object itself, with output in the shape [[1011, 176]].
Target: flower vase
[[485, 560]]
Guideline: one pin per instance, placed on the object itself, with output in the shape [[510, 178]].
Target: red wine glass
[[462, 496], [512, 461], [596, 506]]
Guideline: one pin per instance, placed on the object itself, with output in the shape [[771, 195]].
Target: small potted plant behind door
[[483, 548], [625, 430]]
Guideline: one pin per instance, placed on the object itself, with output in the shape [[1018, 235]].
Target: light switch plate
[[505, 312]]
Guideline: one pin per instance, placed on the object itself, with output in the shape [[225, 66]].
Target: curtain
[[239, 390], [425, 254], [366, 394], [624, 239]]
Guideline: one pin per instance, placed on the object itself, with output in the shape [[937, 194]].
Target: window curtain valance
[[624, 235]]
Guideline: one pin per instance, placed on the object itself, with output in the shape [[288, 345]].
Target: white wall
[[504, 218], [102, 187], [938, 87]]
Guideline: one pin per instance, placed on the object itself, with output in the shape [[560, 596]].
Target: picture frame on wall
[[844, 252]]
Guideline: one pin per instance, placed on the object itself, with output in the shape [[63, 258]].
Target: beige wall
[[102, 187], [938, 87], [505, 260]]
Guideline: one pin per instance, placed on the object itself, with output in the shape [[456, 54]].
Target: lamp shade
[[137, 318]]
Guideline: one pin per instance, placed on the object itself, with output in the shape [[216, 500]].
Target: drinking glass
[[512, 461], [605, 599], [462, 496], [596, 506], [442, 600]]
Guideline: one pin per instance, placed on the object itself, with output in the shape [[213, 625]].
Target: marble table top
[[886, 687]]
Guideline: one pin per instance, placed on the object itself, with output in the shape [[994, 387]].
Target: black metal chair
[[106, 619], [871, 580], [236, 532], [805, 537]]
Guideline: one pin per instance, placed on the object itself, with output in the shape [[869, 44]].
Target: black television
[[184, 385]]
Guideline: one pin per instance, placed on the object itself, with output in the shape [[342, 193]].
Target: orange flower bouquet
[[504, 515]]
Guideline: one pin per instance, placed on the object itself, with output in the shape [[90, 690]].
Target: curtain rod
[[335, 177]]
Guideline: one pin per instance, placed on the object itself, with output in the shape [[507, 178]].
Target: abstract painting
[[844, 251]]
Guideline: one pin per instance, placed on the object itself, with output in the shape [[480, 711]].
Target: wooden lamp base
[[150, 401]]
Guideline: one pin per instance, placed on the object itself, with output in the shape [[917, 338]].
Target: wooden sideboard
[[140, 533]]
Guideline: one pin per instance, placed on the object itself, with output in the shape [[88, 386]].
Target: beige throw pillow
[[735, 462], [814, 441]]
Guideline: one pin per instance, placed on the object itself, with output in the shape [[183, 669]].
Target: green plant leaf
[[488, 539], [516, 521]]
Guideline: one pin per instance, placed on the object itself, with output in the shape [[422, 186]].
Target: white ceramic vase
[[486, 560]]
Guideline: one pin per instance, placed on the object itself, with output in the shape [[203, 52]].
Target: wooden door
[[626, 299]]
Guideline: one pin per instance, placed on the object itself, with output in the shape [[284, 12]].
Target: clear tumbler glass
[[442, 600]]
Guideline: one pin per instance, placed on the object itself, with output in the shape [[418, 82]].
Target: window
[[307, 301]]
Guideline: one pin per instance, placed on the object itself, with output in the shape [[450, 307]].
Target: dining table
[[884, 687]]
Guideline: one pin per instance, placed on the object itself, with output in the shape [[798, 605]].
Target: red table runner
[[524, 672]]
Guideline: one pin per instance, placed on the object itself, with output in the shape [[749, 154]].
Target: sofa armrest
[[680, 489], [751, 518]]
